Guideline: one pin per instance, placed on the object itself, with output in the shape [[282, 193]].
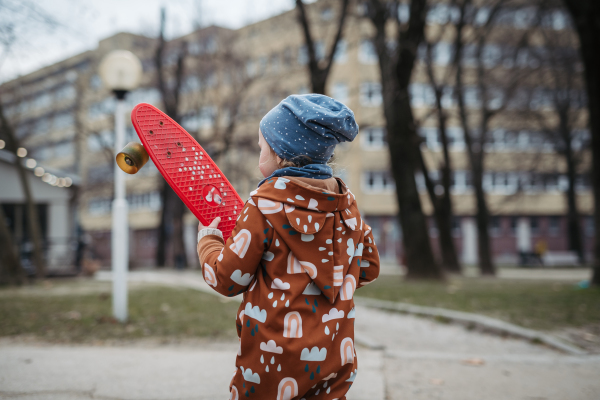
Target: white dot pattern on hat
[[308, 125]]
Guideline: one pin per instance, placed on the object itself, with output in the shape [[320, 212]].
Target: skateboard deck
[[187, 168]]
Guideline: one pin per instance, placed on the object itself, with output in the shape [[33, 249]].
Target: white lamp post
[[121, 72]]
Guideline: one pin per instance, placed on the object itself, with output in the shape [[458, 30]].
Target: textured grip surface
[[187, 168]]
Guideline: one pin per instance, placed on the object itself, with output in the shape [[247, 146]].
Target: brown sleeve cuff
[[207, 245]]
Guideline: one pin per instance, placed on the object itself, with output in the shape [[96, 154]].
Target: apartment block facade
[[64, 117]]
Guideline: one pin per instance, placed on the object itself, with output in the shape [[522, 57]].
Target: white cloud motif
[[280, 183], [333, 314], [312, 204], [352, 376], [350, 250], [352, 313], [279, 284], [364, 263], [359, 250], [255, 312], [249, 376], [312, 290], [313, 354], [267, 255], [351, 223], [242, 280], [271, 347]]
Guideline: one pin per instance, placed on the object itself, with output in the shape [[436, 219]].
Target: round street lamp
[[121, 72]]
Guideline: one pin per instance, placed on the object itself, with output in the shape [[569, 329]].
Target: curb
[[484, 323]]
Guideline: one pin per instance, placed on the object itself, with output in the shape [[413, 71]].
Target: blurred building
[[53, 192], [233, 77]]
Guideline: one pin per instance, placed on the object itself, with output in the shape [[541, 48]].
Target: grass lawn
[[80, 312], [533, 304]]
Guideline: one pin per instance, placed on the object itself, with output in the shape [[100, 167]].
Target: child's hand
[[213, 224]]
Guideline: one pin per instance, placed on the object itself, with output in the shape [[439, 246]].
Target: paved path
[[421, 360]]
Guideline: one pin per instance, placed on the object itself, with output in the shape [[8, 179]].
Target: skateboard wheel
[[132, 158]]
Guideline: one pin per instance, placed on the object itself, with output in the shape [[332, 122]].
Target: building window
[[100, 173], [442, 53], [99, 141], [433, 230], [100, 206], [302, 55], [287, 57], [250, 68], [95, 82], [339, 92], [327, 14], [534, 223], [370, 94], [442, 14], [495, 226], [456, 227], [367, 53], [501, 182], [262, 63], [378, 181], [191, 83], [514, 225], [275, 63], [589, 226], [554, 225], [101, 108], [303, 89], [144, 201], [63, 120], [421, 95], [373, 138], [341, 52], [461, 181], [66, 92]]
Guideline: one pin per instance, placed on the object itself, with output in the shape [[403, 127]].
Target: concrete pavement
[[420, 360]]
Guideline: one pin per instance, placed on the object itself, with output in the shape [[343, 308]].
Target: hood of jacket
[[322, 229]]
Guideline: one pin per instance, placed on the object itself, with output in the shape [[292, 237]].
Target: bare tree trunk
[[396, 70], [486, 266], [170, 229], [442, 204], [320, 73], [586, 15], [8, 255], [33, 225], [443, 219], [573, 219], [475, 145]]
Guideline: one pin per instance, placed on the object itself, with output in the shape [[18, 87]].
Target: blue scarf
[[314, 171]]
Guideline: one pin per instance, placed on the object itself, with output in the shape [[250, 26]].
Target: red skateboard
[[184, 164]]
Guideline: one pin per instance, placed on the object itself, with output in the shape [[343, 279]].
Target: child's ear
[[279, 159]]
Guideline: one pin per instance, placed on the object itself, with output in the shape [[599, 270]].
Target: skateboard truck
[[132, 158]]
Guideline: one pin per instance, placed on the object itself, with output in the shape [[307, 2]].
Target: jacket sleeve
[[230, 268], [369, 263]]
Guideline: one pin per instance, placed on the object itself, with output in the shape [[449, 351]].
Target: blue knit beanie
[[308, 125]]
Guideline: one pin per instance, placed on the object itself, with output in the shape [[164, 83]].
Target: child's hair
[[302, 160]]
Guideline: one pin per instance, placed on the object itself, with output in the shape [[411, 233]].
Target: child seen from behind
[[298, 252]]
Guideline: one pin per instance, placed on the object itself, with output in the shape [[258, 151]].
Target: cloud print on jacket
[[333, 314], [249, 376], [313, 354], [255, 312], [279, 284], [271, 347], [242, 280]]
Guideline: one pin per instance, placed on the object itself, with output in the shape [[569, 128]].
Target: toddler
[[298, 252]]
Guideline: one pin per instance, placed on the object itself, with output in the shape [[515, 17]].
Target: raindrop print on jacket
[[299, 251]]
